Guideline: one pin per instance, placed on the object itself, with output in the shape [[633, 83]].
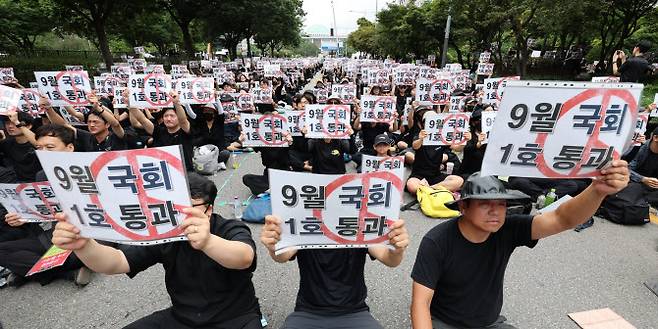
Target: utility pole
[[333, 10], [444, 53]]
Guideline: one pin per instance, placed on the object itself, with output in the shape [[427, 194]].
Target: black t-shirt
[[22, 158], [86, 142], [213, 135], [202, 291], [428, 160], [274, 157], [327, 158], [162, 137], [369, 132], [649, 167], [473, 156], [635, 69], [331, 282], [467, 278]]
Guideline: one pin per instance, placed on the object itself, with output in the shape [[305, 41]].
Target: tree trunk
[[103, 44], [187, 38]]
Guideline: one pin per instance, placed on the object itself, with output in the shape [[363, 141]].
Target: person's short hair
[[644, 45], [201, 188], [25, 118], [58, 131], [654, 132], [98, 115]]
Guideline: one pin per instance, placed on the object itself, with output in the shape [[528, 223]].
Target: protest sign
[[486, 124], [74, 68], [179, 71], [155, 68], [9, 99], [452, 67], [6, 74], [404, 77], [485, 69], [267, 130], [54, 257], [128, 197], [485, 57], [446, 128], [244, 101], [327, 121], [231, 111], [457, 103], [196, 90], [433, 92], [321, 95], [494, 89], [29, 102], [34, 85], [137, 64], [334, 211], [261, 96], [139, 50], [379, 77], [119, 101], [640, 128], [606, 79], [378, 109], [150, 90], [222, 76], [64, 88], [372, 163], [121, 71], [295, 122], [346, 92], [561, 129], [479, 87], [34, 202], [272, 70]]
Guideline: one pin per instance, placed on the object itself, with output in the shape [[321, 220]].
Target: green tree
[[364, 38], [148, 27], [280, 25], [183, 12], [22, 21]]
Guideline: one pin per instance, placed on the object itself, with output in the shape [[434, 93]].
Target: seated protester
[[298, 152], [428, 162], [231, 124], [19, 255], [644, 169], [474, 149], [174, 130], [327, 154], [209, 129], [208, 278], [369, 130], [534, 187], [17, 148], [414, 124], [382, 146], [460, 267]]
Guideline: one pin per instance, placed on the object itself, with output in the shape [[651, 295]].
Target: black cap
[[382, 139], [485, 188]]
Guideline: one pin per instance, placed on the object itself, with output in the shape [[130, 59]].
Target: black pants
[[534, 187], [165, 319], [297, 159], [223, 156], [650, 194], [257, 184], [20, 255]]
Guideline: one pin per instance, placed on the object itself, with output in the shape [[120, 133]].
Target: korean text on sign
[[561, 129], [196, 90], [446, 128], [29, 102], [372, 163], [346, 92], [296, 122], [268, 130], [494, 89], [327, 121], [487, 123], [150, 90], [34, 202], [129, 197], [9, 99], [377, 109], [64, 88], [334, 211], [433, 92]]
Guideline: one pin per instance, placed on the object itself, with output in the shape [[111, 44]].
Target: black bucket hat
[[485, 188]]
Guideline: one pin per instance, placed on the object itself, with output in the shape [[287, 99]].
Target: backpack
[[256, 211], [627, 207], [205, 159], [432, 202]]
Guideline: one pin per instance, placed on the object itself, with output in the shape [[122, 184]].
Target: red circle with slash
[[363, 212], [157, 89], [593, 141], [385, 101], [442, 92], [203, 90], [336, 120], [31, 105], [36, 187], [79, 101], [500, 83], [272, 117], [144, 200], [249, 103], [455, 129]]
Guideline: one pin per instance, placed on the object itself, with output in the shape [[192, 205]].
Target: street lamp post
[[444, 53]]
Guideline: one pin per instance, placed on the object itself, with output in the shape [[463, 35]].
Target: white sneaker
[[222, 166]]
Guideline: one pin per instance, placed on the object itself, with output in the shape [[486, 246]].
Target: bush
[[24, 67]]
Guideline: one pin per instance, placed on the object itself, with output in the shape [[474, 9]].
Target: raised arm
[[180, 112], [75, 113], [136, 114], [13, 117], [106, 114]]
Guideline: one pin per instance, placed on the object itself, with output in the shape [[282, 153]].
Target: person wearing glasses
[[208, 277]]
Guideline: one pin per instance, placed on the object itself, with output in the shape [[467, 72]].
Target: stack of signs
[[380, 109], [328, 121], [64, 88], [196, 90], [446, 128], [335, 211], [346, 92], [29, 102], [6, 74], [494, 89], [433, 92], [561, 129], [9, 99], [129, 197], [33, 202], [268, 130], [150, 90]]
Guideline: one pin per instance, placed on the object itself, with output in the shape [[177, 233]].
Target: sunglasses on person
[[207, 204]]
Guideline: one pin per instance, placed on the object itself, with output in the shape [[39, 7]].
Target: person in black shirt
[[634, 69], [474, 149], [210, 130], [208, 277], [17, 149], [175, 129], [459, 270]]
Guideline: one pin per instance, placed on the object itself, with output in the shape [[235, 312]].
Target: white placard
[[334, 211], [129, 197], [119, 101], [264, 130], [485, 57], [379, 77], [372, 163], [139, 50], [378, 109], [453, 67], [446, 128], [494, 89], [261, 96], [457, 103], [485, 69], [6, 74], [606, 79], [231, 112], [33, 202], [29, 102], [640, 128], [122, 71], [196, 90], [346, 92], [9, 99], [155, 68], [179, 71], [296, 122], [404, 77], [487, 123], [64, 88], [244, 101], [327, 121], [321, 95], [561, 129], [138, 65], [272, 70], [150, 90], [433, 92]]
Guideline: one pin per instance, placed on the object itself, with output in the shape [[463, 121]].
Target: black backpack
[[628, 207]]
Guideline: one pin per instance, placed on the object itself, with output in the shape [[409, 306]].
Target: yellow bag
[[432, 202]]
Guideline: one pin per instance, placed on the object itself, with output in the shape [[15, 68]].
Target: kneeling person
[[208, 277]]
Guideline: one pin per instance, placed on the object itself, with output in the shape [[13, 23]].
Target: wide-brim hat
[[479, 187]]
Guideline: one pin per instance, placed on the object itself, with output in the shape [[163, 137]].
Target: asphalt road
[[603, 266]]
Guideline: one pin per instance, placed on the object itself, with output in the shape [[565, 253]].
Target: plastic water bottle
[[550, 197], [540, 201], [237, 208], [234, 160]]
